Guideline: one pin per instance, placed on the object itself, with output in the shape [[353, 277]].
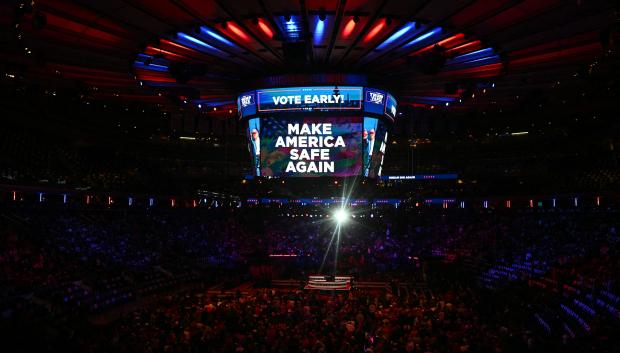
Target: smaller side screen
[[253, 134], [374, 101], [374, 138], [246, 104]]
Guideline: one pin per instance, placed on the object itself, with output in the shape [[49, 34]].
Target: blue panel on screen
[[374, 101], [391, 106], [309, 99], [246, 104]]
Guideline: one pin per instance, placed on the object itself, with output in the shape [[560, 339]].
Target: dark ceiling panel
[[478, 11], [214, 46], [520, 12], [436, 11]]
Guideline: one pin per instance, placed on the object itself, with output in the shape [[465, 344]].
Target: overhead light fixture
[[409, 26], [341, 216], [319, 30], [265, 28], [434, 31], [348, 28], [322, 14], [195, 41], [292, 27], [471, 56], [238, 31], [213, 34], [375, 30]]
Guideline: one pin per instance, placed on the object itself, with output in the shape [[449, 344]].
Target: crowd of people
[[298, 321], [555, 267]]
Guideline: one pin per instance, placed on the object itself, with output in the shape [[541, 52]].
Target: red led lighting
[[177, 45], [183, 51], [465, 48], [450, 41], [446, 43], [147, 75], [374, 31], [237, 31], [348, 29], [169, 55], [265, 28]]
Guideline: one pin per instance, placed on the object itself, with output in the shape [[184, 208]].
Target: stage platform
[[319, 282]]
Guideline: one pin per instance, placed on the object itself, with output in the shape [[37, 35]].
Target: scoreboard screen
[[317, 131]]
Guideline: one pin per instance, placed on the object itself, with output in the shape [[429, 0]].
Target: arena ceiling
[[438, 52]]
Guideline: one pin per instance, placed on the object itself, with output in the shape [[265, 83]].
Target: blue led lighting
[[433, 32], [151, 67], [149, 62], [409, 26], [197, 43], [434, 99], [319, 29], [291, 28], [471, 56], [194, 40], [474, 63], [207, 31]]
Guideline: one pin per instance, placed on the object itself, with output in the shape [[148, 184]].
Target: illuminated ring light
[[175, 63]]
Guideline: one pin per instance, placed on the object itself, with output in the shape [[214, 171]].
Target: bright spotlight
[[341, 216]]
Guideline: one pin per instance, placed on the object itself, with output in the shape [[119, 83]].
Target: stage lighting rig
[[322, 14]]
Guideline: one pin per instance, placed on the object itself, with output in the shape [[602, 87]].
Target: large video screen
[[317, 99], [293, 146], [315, 131]]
